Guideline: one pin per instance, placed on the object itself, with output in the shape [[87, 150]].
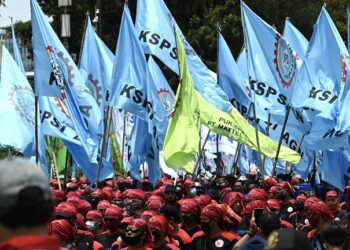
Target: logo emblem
[[166, 99], [284, 61], [95, 89], [22, 99], [219, 243]]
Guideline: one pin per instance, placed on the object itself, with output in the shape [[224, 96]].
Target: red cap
[[161, 224], [94, 215], [322, 209], [74, 200], [83, 180], [301, 197], [273, 204], [98, 193], [104, 204], [203, 200], [332, 195], [309, 202], [109, 183], [114, 213], [143, 227], [190, 206], [154, 205], [347, 190], [136, 194], [84, 207], [63, 230], [80, 222], [269, 182], [65, 209], [158, 192], [57, 194], [257, 194], [148, 214], [232, 198], [286, 185], [255, 204], [116, 195]]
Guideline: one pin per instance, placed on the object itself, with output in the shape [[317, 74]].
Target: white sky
[[18, 9]]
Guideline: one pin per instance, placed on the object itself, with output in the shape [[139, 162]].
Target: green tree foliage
[[198, 20]]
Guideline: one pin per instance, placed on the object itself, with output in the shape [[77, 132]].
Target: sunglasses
[[132, 230]]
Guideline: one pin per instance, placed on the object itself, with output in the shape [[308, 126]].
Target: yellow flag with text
[[191, 109]]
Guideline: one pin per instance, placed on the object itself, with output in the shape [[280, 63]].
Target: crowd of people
[[224, 212]]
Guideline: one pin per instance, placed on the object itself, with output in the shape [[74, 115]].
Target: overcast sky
[[18, 9]]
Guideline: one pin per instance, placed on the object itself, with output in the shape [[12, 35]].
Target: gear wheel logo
[[95, 89], [22, 99], [166, 99], [284, 61]]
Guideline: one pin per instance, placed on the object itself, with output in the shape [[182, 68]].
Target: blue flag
[[155, 28], [96, 65], [347, 12], [57, 75], [16, 53], [322, 76], [166, 94], [271, 60], [16, 106], [296, 39], [335, 168], [231, 80]]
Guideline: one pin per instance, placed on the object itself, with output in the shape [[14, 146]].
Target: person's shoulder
[[184, 236], [198, 235]]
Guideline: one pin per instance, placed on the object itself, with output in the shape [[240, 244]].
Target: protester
[[25, 206]]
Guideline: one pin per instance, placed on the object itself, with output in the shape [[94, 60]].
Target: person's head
[[287, 239], [334, 234], [190, 211], [160, 229], [332, 200], [274, 206], [318, 214], [249, 208], [267, 223], [211, 217], [102, 206], [134, 201], [113, 217], [66, 211], [235, 201], [170, 193], [94, 221], [62, 230], [347, 192], [25, 199], [238, 186], [137, 233], [257, 194], [172, 214]]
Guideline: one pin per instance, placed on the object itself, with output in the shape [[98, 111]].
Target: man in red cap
[[94, 222], [162, 233], [64, 231], [84, 239], [190, 211], [113, 217], [137, 236], [134, 202], [318, 215], [182, 238], [171, 196], [333, 204], [298, 217], [25, 206], [212, 234]]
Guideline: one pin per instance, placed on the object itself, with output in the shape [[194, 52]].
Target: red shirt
[[31, 242]]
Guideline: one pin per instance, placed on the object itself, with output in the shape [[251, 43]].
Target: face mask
[[205, 227], [132, 241], [90, 225], [83, 186]]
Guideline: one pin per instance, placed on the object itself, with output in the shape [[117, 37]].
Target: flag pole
[[194, 174], [36, 131], [267, 134], [123, 141], [280, 141], [218, 80], [104, 142], [54, 163]]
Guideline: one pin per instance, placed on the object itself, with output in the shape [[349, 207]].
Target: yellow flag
[[191, 109]]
